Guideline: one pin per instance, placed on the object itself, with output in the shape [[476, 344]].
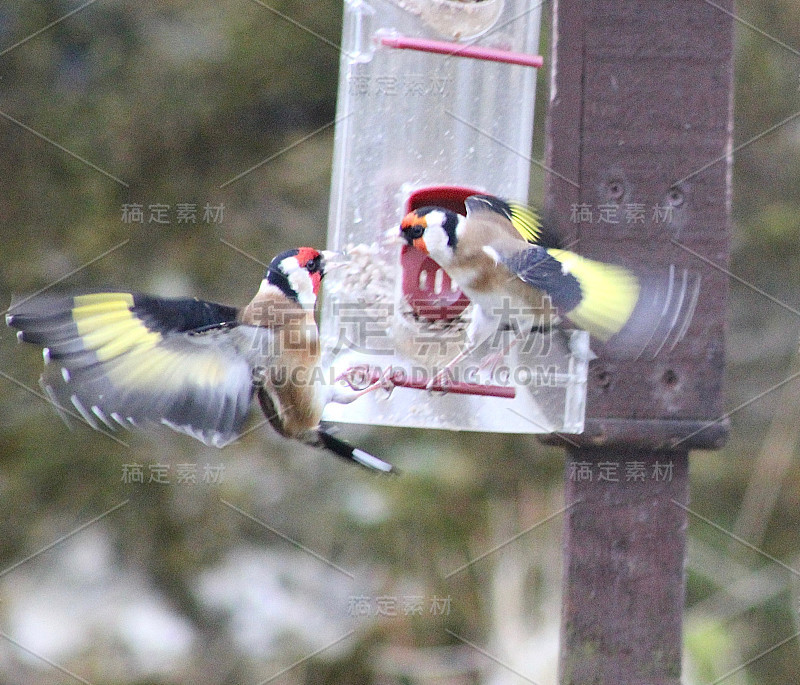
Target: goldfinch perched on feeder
[[117, 359], [503, 260]]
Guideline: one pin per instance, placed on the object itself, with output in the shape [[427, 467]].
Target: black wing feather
[[180, 314], [540, 270]]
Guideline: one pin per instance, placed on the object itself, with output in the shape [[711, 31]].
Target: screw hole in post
[[603, 380], [616, 189], [675, 196], [670, 378]]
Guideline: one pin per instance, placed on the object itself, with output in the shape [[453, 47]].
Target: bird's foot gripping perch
[[398, 378], [443, 380], [362, 380], [365, 379]]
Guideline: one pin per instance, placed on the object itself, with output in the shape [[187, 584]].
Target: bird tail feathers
[[346, 451]]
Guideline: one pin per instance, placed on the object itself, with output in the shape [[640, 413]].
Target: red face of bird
[[434, 231], [298, 274]]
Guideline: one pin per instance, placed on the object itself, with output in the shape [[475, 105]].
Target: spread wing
[[119, 359], [525, 220], [598, 297]]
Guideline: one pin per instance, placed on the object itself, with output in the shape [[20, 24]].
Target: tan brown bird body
[[285, 371], [482, 276]]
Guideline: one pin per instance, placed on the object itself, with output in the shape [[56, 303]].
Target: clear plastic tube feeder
[[435, 104]]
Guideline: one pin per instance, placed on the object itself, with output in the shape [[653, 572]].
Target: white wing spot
[[101, 415], [119, 420], [494, 254], [82, 411]]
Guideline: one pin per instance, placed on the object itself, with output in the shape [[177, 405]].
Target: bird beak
[[392, 237], [333, 260]]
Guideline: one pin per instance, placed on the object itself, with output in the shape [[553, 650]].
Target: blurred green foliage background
[[178, 584]]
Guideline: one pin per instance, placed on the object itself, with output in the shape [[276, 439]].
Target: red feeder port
[[426, 287]]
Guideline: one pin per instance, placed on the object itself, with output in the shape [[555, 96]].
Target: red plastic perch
[[398, 378], [508, 392], [458, 50]]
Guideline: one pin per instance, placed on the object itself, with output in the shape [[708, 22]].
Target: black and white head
[[434, 231], [298, 274]]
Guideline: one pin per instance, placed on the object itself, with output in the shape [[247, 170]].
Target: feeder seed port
[[457, 19]]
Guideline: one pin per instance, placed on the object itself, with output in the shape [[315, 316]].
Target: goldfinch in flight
[[503, 260], [116, 359]]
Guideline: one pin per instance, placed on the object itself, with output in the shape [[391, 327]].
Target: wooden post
[[640, 118]]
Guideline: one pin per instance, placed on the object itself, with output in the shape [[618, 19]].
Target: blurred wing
[[597, 297], [525, 220], [119, 359]]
